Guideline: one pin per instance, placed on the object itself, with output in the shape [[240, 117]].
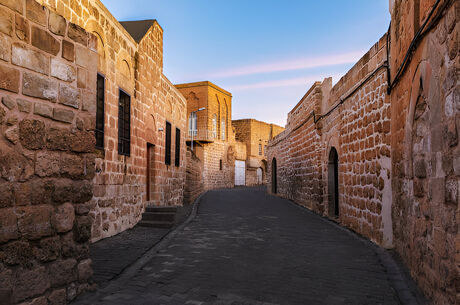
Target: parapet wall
[[47, 159]]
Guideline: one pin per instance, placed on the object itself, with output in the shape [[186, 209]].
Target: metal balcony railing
[[202, 135]]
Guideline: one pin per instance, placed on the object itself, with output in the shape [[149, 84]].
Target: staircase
[[159, 217]]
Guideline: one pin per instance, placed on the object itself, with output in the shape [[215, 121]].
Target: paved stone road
[[246, 247]]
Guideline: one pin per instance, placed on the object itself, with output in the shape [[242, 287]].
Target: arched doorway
[[274, 177], [333, 183]]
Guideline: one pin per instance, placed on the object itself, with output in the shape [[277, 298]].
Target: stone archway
[[333, 183]]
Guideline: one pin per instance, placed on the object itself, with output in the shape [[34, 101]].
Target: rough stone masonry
[[379, 152]]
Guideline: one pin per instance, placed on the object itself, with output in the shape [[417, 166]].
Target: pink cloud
[[290, 65]]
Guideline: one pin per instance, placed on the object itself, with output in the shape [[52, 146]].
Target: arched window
[[214, 126], [222, 128], [333, 183], [192, 127]]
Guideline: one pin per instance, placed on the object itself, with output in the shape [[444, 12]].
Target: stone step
[[155, 216], [153, 209], [156, 224]]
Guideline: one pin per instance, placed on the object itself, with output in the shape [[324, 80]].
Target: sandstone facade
[[378, 152], [47, 157], [131, 63], [255, 135], [213, 135]]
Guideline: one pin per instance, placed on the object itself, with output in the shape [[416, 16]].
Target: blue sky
[[266, 53]]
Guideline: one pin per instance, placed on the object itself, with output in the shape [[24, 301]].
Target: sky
[[266, 53]]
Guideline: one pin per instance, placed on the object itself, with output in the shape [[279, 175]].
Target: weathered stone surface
[[16, 5], [8, 102], [30, 59], [63, 191], [41, 87], [34, 222], [77, 34], [12, 134], [58, 139], [15, 167], [22, 28], [63, 218], [83, 191], [48, 249], [35, 12], [82, 229], [44, 110], [45, 41], [57, 24], [34, 192], [85, 57], [62, 71], [62, 272], [2, 115], [72, 166], [17, 253], [5, 48], [47, 164], [32, 134], [6, 21], [84, 270], [69, 96], [9, 79], [82, 78], [58, 297], [8, 225], [63, 115], [24, 105], [12, 120], [6, 195], [36, 301], [83, 141], [30, 283], [68, 50]]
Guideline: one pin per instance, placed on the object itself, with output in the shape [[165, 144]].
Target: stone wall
[[47, 159], [135, 66], [425, 149], [194, 182], [398, 150]]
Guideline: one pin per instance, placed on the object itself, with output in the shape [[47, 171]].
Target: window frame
[[177, 148], [124, 140], [168, 142], [99, 128]]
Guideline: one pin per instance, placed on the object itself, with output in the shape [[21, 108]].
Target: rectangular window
[[124, 123], [99, 130], [168, 144], [192, 125], [260, 149], [220, 164], [177, 156]]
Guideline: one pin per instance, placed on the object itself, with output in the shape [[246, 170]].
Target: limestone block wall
[[194, 184], [214, 175], [425, 149], [47, 155]]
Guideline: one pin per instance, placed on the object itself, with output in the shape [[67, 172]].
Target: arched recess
[[333, 183], [151, 129], [124, 65], [94, 28], [274, 176]]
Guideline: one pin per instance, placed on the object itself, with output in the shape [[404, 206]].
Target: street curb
[[399, 281], [119, 281]]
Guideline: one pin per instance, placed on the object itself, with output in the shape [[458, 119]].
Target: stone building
[[209, 112], [141, 121], [379, 151], [91, 133], [255, 135]]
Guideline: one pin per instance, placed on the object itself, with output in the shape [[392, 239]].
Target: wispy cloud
[[299, 81], [291, 65]]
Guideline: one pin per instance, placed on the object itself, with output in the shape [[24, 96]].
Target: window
[[220, 164], [260, 149], [223, 130], [124, 123], [214, 126], [99, 131], [168, 144], [177, 155], [192, 129]]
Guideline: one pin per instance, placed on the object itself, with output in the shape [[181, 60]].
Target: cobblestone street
[[246, 247]]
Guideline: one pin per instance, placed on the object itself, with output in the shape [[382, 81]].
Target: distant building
[[255, 135]]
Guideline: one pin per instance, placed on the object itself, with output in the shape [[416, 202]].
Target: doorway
[[333, 183], [240, 172], [274, 177], [259, 176]]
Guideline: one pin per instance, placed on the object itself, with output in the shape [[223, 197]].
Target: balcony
[[202, 135]]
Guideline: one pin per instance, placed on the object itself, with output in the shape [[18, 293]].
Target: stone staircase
[[159, 217]]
